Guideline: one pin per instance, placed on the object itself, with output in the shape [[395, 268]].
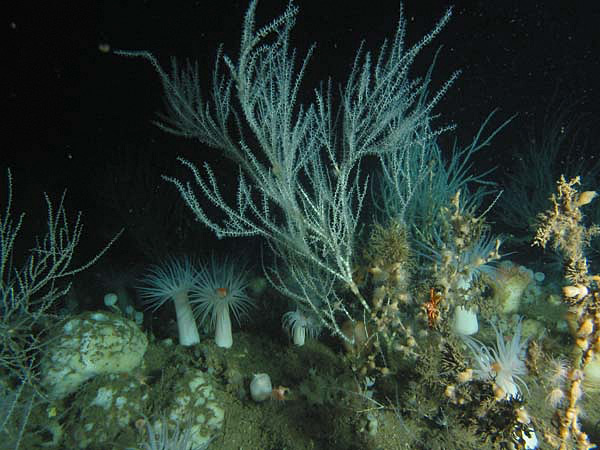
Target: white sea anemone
[[557, 371], [299, 324], [476, 260], [220, 288], [469, 263], [556, 398], [162, 436], [173, 280], [504, 364]]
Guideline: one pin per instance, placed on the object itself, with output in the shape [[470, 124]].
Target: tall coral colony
[[430, 268]]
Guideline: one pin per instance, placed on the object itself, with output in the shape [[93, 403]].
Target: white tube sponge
[[465, 321], [261, 388]]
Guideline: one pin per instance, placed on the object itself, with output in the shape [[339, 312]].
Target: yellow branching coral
[[562, 225]]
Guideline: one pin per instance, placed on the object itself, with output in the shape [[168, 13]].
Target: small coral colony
[[435, 317]]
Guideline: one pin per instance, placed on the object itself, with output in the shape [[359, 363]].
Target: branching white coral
[[301, 185]]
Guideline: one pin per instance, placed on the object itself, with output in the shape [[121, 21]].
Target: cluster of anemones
[[216, 290]]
